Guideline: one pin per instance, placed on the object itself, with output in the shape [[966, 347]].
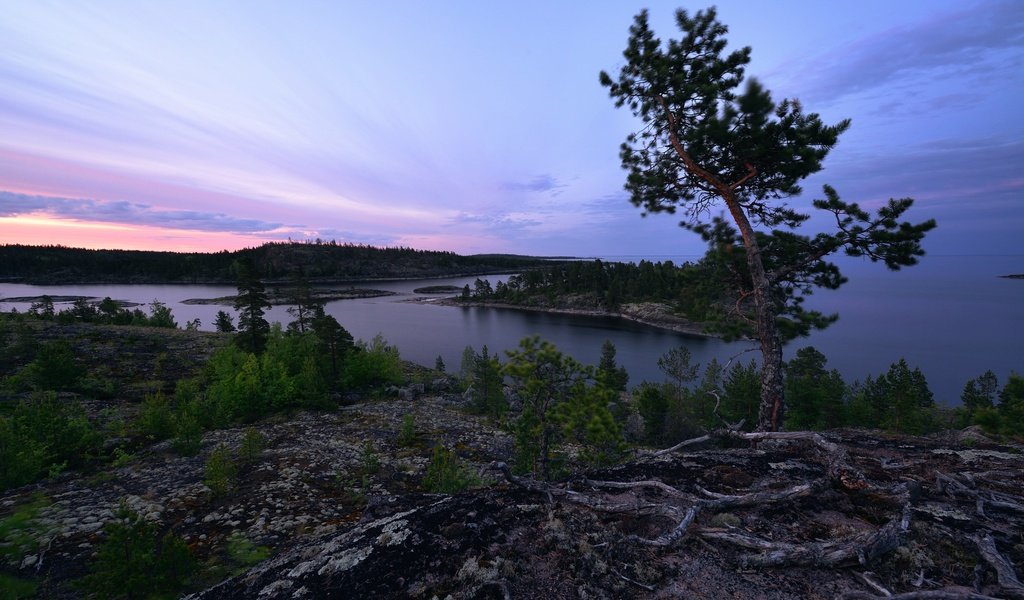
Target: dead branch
[[649, 588], [553, 491], [952, 487], [722, 501], [690, 442], [671, 537], [628, 485], [868, 578], [947, 594], [826, 554], [1005, 575]]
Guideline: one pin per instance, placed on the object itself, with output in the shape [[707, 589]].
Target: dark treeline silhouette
[[281, 260]]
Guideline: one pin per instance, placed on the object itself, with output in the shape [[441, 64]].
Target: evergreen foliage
[[251, 303], [223, 322], [609, 374], [134, 562], [220, 471], [702, 143], [44, 434], [334, 339], [372, 364], [486, 383], [815, 396], [304, 307], [603, 284], [560, 401], [54, 368], [446, 474]]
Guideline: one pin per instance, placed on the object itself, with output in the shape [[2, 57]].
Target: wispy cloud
[[540, 183], [498, 222], [130, 213], [968, 43]]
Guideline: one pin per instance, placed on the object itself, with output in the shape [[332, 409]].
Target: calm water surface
[[951, 315]]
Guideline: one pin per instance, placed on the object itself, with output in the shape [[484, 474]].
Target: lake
[[952, 316]]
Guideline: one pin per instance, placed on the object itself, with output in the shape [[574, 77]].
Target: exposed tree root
[[860, 550], [967, 509]]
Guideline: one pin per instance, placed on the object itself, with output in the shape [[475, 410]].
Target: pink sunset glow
[[43, 230], [475, 129]]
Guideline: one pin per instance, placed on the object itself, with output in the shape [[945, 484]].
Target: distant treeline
[[273, 261]]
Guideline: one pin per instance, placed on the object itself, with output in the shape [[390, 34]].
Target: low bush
[[446, 474]]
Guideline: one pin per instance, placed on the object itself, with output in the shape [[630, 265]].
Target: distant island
[[1013, 276], [320, 263]]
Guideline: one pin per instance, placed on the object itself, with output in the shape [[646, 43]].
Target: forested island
[[318, 261], [662, 294]]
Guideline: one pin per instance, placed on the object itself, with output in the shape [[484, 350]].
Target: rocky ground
[[338, 526]]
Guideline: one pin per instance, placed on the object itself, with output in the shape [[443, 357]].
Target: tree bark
[[771, 410], [769, 417]]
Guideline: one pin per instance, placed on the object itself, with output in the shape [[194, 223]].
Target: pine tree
[[223, 322], [303, 305], [980, 392], [609, 374], [703, 143], [814, 395], [250, 303]]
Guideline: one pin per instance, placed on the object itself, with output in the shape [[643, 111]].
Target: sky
[[474, 127]]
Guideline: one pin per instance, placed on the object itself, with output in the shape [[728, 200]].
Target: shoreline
[[643, 314]]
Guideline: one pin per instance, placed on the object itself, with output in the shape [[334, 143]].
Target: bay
[[952, 316]]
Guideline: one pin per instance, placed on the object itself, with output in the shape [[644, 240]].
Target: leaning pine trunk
[[770, 415]]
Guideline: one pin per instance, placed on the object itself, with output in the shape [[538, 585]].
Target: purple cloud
[[540, 183]]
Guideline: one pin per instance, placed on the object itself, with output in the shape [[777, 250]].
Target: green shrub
[[446, 474], [188, 432], [407, 434], [370, 460], [253, 443], [54, 368], [22, 459], [43, 433], [243, 552], [121, 458], [220, 471], [14, 588], [20, 532], [373, 364], [133, 563], [155, 421]]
